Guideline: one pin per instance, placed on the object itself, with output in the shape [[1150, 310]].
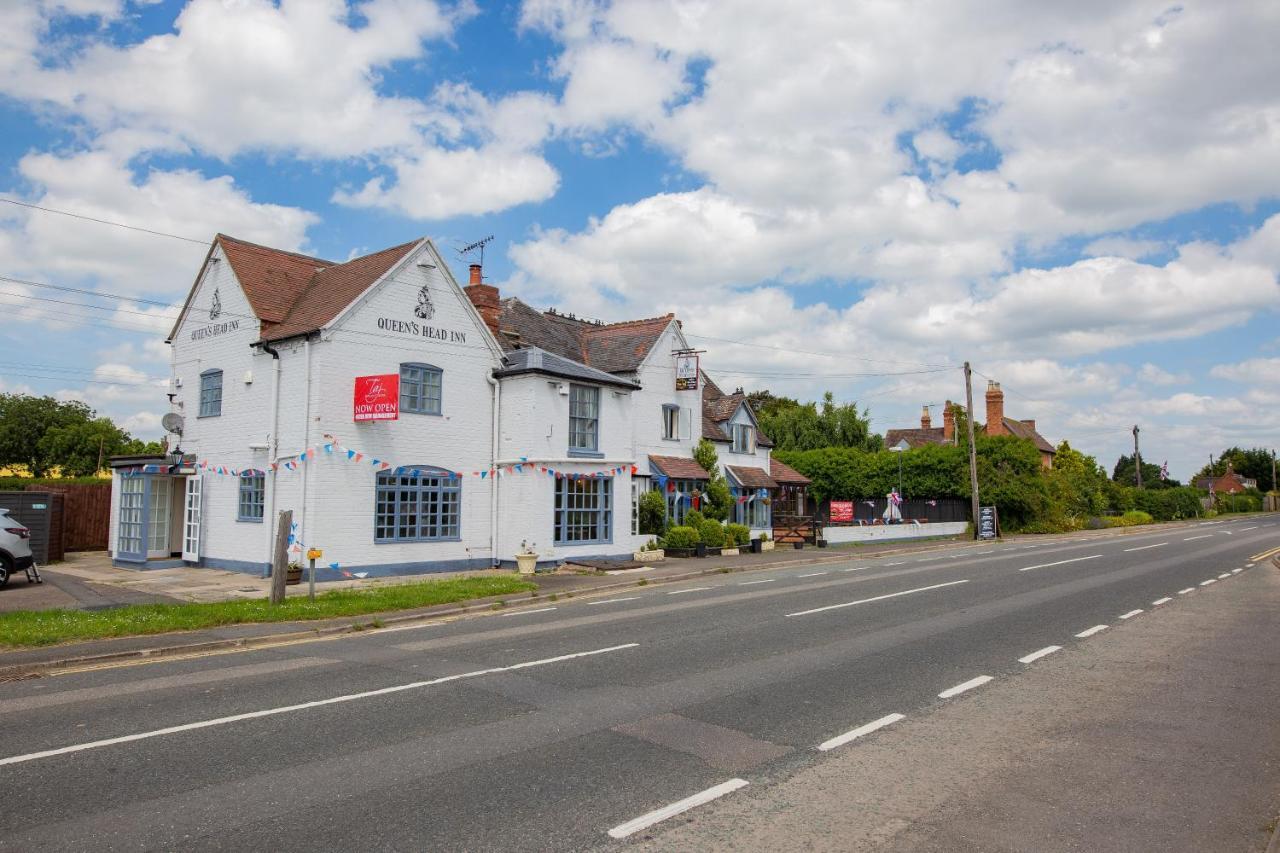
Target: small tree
[[717, 500], [653, 514]]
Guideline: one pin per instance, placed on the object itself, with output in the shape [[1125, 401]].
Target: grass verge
[[47, 627]]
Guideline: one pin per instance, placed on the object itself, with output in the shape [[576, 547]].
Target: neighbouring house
[[927, 433], [1229, 483], [412, 424], [997, 424]]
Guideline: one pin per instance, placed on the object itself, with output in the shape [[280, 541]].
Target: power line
[[820, 353], [103, 221]]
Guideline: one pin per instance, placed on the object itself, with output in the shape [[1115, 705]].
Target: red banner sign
[[842, 510], [377, 398]]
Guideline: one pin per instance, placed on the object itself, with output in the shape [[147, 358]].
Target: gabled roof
[[535, 360], [784, 473], [272, 279], [751, 478], [915, 437], [611, 347], [1024, 430], [719, 408], [678, 467]]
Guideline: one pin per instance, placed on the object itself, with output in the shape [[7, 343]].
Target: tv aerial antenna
[[476, 246]]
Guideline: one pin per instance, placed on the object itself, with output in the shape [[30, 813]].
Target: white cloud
[[1260, 371], [1153, 374]]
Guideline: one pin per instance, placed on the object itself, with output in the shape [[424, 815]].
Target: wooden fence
[[86, 514]]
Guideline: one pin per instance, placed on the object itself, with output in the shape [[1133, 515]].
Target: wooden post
[[280, 562], [1137, 458], [973, 448]]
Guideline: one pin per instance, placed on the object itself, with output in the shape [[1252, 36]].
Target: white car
[[15, 548]]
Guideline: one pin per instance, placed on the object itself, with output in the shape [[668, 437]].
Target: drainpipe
[[306, 437], [273, 453], [493, 481]]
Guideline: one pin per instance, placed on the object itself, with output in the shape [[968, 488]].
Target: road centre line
[[1060, 562], [302, 706], [526, 612], [968, 685], [622, 830], [876, 598], [855, 569], [1089, 632], [690, 589], [811, 575], [1145, 547], [1130, 614], [1194, 538], [1224, 576], [1209, 581], [1036, 655], [1236, 571], [616, 600], [841, 740], [751, 583], [1243, 529], [1187, 590], [1160, 601], [899, 563]]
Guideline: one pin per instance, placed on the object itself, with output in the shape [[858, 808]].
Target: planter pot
[[755, 546], [292, 577], [679, 552], [822, 543], [648, 556], [700, 550], [729, 552], [527, 563], [768, 545], [713, 552], [799, 545]]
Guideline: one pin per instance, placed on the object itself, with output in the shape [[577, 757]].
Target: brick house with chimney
[[1230, 483], [927, 433], [997, 424]]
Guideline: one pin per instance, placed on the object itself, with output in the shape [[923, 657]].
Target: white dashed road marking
[[1224, 575], [691, 589], [968, 685], [811, 575], [841, 740], [750, 583], [527, 612], [616, 600], [1187, 590], [1060, 562], [876, 598], [1145, 547], [1089, 632], [1160, 601], [622, 830], [1130, 614], [1045, 652], [1209, 581], [1194, 538]]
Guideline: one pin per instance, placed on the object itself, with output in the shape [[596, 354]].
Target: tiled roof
[[333, 289], [751, 478], [1019, 429], [679, 467], [718, 407], [915, 437], [534, 360], [784, 473], [272, 279], [611, 347]]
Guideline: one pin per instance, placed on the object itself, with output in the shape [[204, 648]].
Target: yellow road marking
[[1256, 557]]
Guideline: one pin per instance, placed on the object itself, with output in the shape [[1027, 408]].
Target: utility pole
[[1137, 457], [1275, 487], [973, 450]]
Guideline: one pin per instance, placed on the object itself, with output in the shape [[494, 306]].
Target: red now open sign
[[377, 398]]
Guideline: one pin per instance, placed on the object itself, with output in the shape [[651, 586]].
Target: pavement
[[689, 715]]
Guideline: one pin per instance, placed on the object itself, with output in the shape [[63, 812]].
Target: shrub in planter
[[711, 533], [653, 513], [681, 538], [737, 534], [694, 518]]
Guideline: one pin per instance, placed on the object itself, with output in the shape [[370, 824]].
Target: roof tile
[[679, 467], [752, 478]]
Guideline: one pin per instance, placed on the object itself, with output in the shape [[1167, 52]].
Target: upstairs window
[[421, 389], [584, 418], [744, 438], [210, 393], [670, 422]]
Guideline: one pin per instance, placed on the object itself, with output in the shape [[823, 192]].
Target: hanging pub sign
[[841, 511], [687, 372], [377, 398]]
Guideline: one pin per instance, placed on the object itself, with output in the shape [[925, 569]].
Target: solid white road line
[[876, 598], [968, 685], [1194, 538], [1160, 601], [1130, 614], [622, 830], [1209, 581], [1060, 562], [302, 706], [691, 589], [616, 600], [1089, 632], [1145, 547], [841, 740], [1187, 590], [749, 583], [525, 612], [812, 575], [1045, 652]]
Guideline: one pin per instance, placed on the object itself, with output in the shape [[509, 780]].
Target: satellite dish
[[172, 422]]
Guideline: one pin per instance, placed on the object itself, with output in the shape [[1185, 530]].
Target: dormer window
[[744, 438]]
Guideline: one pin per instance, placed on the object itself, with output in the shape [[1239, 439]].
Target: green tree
[[25, 420], [1077, 484], [653, 513], [1123, 474], [809, 426], [1254, 464], [717, 500], [78, 448]]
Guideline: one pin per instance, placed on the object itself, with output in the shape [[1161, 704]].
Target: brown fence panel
[[86, 514]]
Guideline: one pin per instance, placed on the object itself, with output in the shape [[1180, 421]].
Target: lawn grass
[[47, 627]]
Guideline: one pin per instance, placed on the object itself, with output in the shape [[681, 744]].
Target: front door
[[131, 525], [191, 520], [159, 510]]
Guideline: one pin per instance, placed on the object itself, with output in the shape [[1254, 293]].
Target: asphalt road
[[575, 726]]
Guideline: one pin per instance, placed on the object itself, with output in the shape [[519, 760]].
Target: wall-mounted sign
[[842, 511], [377, 398], [988, 523], [686, 373]]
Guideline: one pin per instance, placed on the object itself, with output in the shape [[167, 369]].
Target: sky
[[1082, 200]]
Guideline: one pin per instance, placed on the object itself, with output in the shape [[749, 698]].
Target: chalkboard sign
[[988, 523]]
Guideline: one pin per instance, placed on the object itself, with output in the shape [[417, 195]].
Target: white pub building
[[413, 425]]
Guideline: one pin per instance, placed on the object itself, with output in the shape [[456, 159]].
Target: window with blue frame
[[210, 393], [253, 490], [583, 511], [416, 504], [744, 438], [584, 418], [421, 389], [754, 511]]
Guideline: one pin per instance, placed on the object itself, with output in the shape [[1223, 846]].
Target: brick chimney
[[948, 422], [925, 421], [485, 297], [995, 408]]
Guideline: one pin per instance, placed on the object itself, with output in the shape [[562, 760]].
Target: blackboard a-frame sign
[[988, 523]]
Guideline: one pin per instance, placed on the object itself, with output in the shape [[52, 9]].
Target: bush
[[680, 536], [738, 534], [711, 533], [653, 513], [1132, 518], [694, 518]]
